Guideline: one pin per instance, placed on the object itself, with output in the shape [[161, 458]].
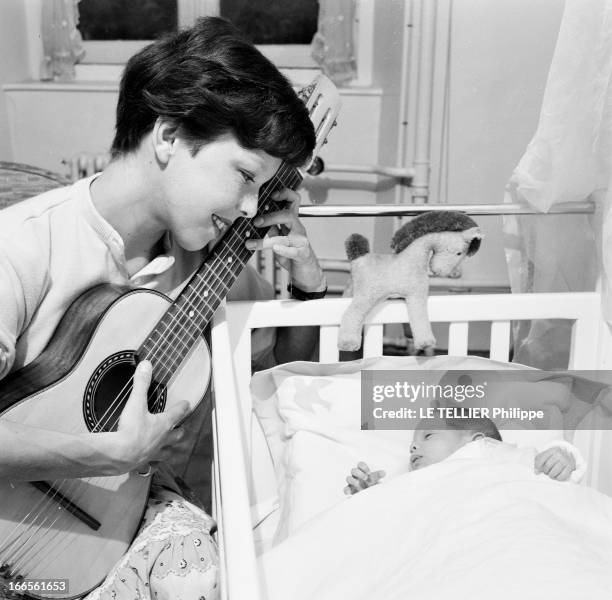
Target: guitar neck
[[183, 323]]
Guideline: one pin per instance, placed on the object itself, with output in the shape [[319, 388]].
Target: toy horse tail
[[356, 245]]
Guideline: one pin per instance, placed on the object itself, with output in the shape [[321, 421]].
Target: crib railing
[[413, 210], [278, 277], [459, 312]]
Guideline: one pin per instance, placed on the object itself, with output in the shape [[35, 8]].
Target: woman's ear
[[164, 140]]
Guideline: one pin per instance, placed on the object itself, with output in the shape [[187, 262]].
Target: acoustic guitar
[[77, 529]]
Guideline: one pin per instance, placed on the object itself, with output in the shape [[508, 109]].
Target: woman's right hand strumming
[[144, 437]]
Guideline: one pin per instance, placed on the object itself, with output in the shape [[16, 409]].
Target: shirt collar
[[108, 234]]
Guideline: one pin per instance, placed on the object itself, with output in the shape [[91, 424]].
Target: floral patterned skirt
[[172, 558]]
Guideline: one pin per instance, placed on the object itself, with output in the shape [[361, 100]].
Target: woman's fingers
[[295, 247]]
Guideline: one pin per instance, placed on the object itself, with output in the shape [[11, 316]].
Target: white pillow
[[311, 416]]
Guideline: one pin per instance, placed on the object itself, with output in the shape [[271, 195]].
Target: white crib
[[242, 470]]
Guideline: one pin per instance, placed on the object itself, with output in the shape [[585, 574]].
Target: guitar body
[[90, 358]]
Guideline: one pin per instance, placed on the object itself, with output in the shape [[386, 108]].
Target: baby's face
[[430, 446]]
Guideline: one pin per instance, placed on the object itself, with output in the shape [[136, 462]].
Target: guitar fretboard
[[184, 322]]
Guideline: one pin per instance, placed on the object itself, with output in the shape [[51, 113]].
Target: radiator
[[85, 164]]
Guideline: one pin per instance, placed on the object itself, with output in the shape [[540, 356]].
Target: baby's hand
[[555, 462], [362, 478]]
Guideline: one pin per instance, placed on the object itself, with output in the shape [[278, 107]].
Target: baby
[[436, 439]]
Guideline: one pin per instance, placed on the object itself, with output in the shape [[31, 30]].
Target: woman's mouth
[[415, 461], [221, 225]]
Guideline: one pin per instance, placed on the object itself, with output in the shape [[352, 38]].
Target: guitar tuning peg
[[335, 124], [317, 166]]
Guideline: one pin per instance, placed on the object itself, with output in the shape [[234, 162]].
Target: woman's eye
[[428, 435], [248, 178]]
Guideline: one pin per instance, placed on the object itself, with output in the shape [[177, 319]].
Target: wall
[[500, 52], [14, 62], [52, 122], [500, 55]]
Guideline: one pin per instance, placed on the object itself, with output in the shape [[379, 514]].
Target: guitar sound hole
[[109, 388]]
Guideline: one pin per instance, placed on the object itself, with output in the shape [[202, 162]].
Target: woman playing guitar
[[203, 121]]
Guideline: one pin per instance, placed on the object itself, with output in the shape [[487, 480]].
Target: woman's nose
[[248, 205], [413, 448]]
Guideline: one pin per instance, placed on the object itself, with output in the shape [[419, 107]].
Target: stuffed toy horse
[[433, 243]]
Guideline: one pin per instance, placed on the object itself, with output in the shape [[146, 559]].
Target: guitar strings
[[33, 510], [183, 331], [217, 270], [217, 262]]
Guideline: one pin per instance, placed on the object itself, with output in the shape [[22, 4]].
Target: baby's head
[[436, 439]]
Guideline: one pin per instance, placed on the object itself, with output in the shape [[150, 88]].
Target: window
[[120, 20], [113, 30], [105, 58], [273, 22]]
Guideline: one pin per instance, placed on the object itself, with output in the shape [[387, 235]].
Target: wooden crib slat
[[268, 269], [284, 279], [589, 442], [500, 341], [458, 338], [233, 455], [372, 340], [328, 343]]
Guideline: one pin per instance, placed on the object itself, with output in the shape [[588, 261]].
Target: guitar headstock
[[322, 100]]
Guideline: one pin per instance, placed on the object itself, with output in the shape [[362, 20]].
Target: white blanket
[[469, 527]]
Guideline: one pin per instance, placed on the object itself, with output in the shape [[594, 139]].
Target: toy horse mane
[[434, 222]]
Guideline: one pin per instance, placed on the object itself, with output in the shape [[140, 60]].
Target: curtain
[[62, 42], [333, 47], [568, 159]]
